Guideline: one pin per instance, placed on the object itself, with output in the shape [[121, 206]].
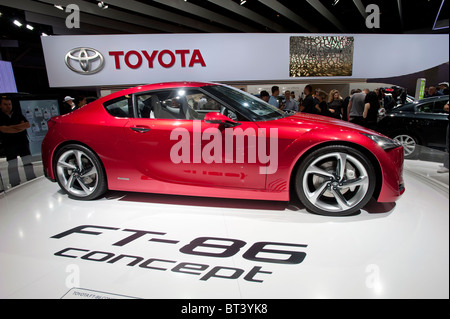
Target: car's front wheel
[[79, 172], [335, 181]]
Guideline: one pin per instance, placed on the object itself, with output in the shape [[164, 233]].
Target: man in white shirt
[[273, 98], [290, 104]]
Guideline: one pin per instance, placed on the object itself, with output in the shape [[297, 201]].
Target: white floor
[[187, 247]]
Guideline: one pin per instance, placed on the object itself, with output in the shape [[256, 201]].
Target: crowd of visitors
[[361, 106]]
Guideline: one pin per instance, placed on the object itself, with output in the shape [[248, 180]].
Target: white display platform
[[187, 247]]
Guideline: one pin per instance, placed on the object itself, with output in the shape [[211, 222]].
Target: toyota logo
[[84, 60]]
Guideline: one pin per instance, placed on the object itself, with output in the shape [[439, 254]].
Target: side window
[[143, 102], [165, 104], [439, 106], [204, 104], [425, 108], [183, 104], [207, 104], [120, 107]]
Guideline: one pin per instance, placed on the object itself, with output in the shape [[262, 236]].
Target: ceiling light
[[30, 27], [17, 23], [57, 6], [243, 2], [335, 2], [102, 5]]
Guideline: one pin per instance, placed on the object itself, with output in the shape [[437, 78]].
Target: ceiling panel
[[253, 16]]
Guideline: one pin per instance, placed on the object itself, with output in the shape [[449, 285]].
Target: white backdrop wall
[[230, 57]]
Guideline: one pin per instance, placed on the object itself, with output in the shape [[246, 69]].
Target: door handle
[[140, 129]]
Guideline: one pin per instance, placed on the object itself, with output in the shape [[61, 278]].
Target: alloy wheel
[[335, 183], [409, 144], [77, 173]]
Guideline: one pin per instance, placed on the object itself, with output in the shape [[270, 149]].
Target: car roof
[[433, 98], [156, 86], [425, 100]]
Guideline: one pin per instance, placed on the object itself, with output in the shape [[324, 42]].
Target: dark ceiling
[[22, 46], [217, 16]]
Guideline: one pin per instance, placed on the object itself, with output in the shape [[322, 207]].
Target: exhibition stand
[[134, 245], [155, 246]]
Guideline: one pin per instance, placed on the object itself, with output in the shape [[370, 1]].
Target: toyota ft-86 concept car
[[208, 139]]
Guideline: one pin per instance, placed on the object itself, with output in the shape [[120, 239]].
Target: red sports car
[[208, 139]]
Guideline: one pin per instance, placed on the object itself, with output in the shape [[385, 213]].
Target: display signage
[[7, 80], [267, 253], [420, 88], [79, 60], [37, 113], [106, 60]]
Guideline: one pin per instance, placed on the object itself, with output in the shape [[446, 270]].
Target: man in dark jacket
[[309, 105], [13, 126]]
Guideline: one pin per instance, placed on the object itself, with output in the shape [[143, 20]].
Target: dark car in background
[[421, 123]]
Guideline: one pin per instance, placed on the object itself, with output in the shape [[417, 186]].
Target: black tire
[[324, 189], [79, 172]]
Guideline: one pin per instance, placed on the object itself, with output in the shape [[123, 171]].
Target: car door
[[170, 142], [431, 124], [438, 130]]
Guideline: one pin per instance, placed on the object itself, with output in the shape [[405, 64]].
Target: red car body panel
[[140, 162]]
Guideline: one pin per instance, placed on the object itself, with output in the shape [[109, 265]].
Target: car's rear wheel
[[409, 143], [335, 181], [79, 172]]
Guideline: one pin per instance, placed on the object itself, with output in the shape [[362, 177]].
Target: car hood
[[312, 121]]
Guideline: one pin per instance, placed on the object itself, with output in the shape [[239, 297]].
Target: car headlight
[[384, 142]]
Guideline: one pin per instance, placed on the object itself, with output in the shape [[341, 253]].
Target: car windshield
[[248, 105]]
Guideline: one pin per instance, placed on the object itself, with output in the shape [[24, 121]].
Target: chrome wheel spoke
[[91, 171], [340, 199], [66, 165], [314, 196], [340, 168], [360, 181], [318, 171], [70, 182], [78, 156], [86, 189]]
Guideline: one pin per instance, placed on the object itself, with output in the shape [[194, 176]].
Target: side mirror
[[219, 118]]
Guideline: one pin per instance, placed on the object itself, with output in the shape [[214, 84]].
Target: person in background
[[293, 97], [289, 104], [13, 133], [445, 167], [443, 88], [68, 105], [309, 105], [356, 107], [273, 98], [335, 104], [321, 98], [345, 105], [264, 95], [370, 113], [432, 91], [80, 101]]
